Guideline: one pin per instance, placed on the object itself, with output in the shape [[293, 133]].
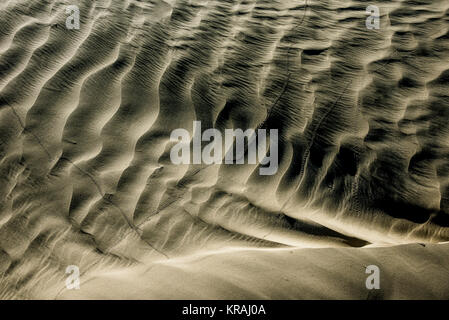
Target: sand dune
[[85, 171], [280, 274]]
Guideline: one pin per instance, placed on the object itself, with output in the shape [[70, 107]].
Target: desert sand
[[86, 178]]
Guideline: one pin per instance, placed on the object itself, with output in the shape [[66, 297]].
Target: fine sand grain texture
[[86, 177]]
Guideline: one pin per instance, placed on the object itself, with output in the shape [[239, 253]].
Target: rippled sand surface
[[85, 171]]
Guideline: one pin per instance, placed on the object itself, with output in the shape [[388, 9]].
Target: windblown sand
[[85, 171]]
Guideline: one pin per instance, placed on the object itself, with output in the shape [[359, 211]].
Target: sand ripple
[[86, 117]]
